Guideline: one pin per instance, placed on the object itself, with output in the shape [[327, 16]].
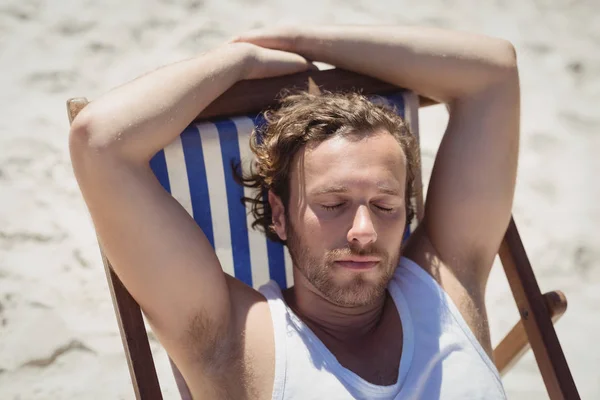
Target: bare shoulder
[[467, 294]]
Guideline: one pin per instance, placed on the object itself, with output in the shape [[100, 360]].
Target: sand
[[58, 333]]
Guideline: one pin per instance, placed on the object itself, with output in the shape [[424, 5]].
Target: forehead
[[376, 160]]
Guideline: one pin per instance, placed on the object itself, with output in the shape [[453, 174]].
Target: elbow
[[505, 59], [80, 135], [88, 147], [500, 71], [88, 134], [79, 144], [97, 135]]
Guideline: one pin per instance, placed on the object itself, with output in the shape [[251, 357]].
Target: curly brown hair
[[304, 118]]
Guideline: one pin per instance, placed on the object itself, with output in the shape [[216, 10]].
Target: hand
[[265, 63]]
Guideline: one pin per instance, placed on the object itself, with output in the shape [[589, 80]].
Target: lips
[[358, 263], [359, 259]]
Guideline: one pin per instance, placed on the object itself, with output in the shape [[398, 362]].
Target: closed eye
[[332, 207], [336, 206], [385, 209]]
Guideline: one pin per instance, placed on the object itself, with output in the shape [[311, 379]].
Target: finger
[[277, 39], [275, 63], [266, 42]]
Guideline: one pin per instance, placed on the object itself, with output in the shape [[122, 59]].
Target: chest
[[378, 365], [375, 359]]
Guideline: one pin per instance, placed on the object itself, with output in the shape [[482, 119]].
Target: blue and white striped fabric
[[196, 170]]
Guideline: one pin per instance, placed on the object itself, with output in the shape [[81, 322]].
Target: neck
[[343, 324]]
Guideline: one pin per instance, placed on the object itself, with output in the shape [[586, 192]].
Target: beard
[[363, 288]]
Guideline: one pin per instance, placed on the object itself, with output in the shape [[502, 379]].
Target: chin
[[358, 292]]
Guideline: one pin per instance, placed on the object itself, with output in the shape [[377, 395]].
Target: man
[[356, 324]]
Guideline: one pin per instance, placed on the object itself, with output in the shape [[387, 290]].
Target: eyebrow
[[336, 189]]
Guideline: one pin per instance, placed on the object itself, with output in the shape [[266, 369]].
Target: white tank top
[[441, 358]]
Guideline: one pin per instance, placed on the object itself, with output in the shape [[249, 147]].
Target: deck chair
[[196, 170]]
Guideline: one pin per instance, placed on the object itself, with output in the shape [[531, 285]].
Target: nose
[[362, 231]]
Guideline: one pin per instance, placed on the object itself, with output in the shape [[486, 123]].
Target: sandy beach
[[58, 333]]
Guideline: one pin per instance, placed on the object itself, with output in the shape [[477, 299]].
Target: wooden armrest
[[255, 95], [515, 343]]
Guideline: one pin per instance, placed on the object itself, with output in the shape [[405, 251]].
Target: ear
[[278, 215]]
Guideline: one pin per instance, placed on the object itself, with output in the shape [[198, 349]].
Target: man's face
[[346, 216]]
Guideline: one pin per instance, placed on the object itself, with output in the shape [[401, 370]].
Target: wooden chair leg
[[135, 339], [515, 344], [536, 318]]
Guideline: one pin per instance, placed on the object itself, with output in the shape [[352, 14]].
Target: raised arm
[[472, 185], [155, 247]]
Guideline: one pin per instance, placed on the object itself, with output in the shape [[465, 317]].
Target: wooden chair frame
[[537, 311]]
